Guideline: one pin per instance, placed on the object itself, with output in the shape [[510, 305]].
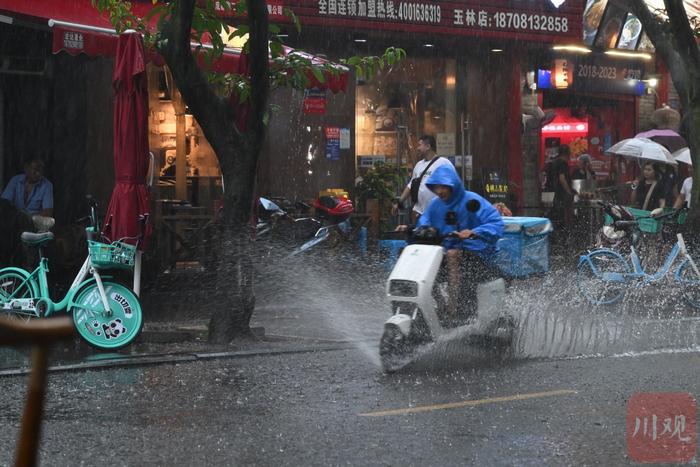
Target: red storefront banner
[[82, 39], [531, 20], [74, 11]]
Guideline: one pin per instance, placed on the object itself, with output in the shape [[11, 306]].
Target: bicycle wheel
[[13, 285], [600, 277], [107, 332], [690, 283]]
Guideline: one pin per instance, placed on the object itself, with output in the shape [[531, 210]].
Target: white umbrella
[[683, 155], [642, 148]]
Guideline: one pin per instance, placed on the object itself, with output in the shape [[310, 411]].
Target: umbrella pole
[[137, 273]]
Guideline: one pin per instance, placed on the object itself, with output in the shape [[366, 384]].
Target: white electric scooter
[[417, 290]]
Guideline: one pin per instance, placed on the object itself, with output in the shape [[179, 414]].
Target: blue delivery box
[[524, 248]]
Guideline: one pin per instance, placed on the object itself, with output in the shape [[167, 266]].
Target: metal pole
[[137, 273], [85, 27]]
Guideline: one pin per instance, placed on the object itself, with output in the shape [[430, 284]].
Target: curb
[[155, 359], [154, 334]]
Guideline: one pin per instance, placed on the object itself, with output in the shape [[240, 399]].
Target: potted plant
[[378, 187]]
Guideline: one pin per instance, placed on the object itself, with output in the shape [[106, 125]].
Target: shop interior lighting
[[637, 55], [652, 82], [428, 45], [572, 48], [496, 50], [6, 19], [360, 40]]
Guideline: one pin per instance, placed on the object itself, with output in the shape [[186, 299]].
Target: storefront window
[[393, 110], [185, 203], [202, 169]]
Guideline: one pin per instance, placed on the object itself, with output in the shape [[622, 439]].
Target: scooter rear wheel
[[395, 350]]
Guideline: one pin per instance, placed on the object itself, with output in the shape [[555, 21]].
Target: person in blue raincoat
[[477, 225]]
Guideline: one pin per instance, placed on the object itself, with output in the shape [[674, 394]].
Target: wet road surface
[[330, 408]]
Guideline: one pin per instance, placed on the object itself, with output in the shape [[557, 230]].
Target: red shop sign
[[533, 20], [314, 101]]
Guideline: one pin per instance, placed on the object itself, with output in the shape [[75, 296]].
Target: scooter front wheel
[[395, 350], [113, 331]]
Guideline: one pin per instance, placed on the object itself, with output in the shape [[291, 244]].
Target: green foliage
[[292, 69], [381, 182], [368, 67]]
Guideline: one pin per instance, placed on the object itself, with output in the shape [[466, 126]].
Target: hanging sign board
[[595, 73], [332, 143], [495, 186], [345, 138], [369, 161], [446, 143], [603, 75], [468, 167], [314, 101]]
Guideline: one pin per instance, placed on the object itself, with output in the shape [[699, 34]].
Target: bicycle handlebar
[[635, 222]]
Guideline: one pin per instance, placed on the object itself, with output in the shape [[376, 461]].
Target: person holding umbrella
[[649, 193]]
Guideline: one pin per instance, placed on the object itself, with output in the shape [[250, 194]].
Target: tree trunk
[[234, 298], [237, 153]]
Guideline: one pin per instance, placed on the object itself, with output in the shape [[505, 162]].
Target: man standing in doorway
[[420, 194], [563, 191]]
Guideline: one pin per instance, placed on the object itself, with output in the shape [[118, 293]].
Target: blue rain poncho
[[486, 222]]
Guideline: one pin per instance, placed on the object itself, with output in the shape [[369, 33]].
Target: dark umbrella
[[665, 137], [129, 207]]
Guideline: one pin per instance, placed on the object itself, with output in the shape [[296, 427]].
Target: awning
[[94, 41], [692, 7]]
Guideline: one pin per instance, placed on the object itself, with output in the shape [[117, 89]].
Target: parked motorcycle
[[276, 228], [334, 219], [417, 290]]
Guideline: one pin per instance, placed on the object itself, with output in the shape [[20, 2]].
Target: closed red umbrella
[[129, 207]]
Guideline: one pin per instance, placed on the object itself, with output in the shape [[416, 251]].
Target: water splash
[[347, 302]]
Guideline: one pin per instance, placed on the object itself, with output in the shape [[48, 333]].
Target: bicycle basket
[[115, 255]]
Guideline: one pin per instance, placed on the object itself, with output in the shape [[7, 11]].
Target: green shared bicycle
[[106, 314]]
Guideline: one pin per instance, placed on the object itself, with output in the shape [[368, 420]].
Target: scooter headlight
[[402, 288]]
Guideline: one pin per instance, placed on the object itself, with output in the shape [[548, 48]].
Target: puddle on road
[[331, 300]]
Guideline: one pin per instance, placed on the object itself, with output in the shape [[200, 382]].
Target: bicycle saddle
[[37, 239]]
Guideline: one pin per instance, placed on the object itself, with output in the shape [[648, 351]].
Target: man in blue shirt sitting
[[31, 192]]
